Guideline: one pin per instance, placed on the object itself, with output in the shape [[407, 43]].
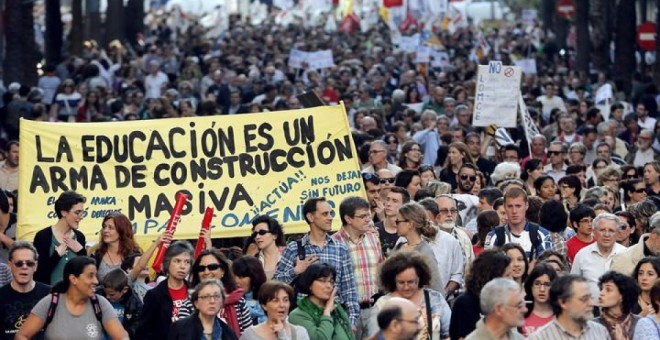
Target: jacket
[[132, 309], [47, 261], [190, 328], [625, 261], [310, 316], [156, 316]]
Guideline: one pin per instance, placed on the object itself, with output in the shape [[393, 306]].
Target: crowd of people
[[460, 236]]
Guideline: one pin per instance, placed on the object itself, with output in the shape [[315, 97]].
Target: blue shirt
[[334, 253]]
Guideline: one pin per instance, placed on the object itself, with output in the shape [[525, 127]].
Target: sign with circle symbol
[[509, 71]]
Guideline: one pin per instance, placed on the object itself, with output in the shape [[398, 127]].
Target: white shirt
[[591, 264], [557, 175], [549, 104], [649, 123], [152, 84], [643, 157]]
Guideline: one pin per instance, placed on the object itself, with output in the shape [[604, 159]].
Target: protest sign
[[409, 43], [240, 165], [496, 100], [529, 16], [528, 66], [439, 59], [423, 54], [316, 60]]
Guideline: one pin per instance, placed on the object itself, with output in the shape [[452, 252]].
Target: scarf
[[625, 321], [230, 313], [339, 315]]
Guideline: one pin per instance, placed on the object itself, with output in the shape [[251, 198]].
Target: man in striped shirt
[[363, 244], [570, 298]]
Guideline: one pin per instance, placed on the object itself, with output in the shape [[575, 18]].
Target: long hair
[[227, 279], [74, 267], [491, 263], [538, 271], [127, 244]]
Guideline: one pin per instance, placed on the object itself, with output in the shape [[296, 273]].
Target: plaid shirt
[[333, 253], [366, 256], [5, 274]]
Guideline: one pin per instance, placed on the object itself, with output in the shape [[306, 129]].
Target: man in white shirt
[[643, 119], [154, 81], [378, 159], [594, 260], [642, 152], [549, 101]]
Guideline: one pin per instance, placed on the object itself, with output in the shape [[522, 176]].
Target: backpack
[[533, 235], [54, 300]]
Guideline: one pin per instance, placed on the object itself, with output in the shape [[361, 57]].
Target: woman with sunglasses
[[212, 264], [208, 299], [318, 312], [392, 147], [570, 189], [626, 235], [268, 236], [634, 190]]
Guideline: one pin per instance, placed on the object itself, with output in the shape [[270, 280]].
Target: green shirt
[[58, 271], [320, 327]]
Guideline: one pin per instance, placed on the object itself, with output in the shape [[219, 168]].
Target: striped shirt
[[333, 253], [366, 256], [554, 331]]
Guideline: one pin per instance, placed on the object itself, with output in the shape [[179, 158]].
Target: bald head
[[398, 318]]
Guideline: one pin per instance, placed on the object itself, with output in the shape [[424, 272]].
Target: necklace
[[112, 262]]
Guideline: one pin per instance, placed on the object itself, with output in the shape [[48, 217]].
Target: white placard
[[315, 60], [296, 58], [498, 90], [528, 66], [409, 44], [440, 59], [529, 16], [423, 54]]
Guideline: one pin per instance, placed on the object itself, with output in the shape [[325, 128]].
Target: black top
[[387, 240], [15, 306], [156, 317], [464, 316], [190, 328], [47, 261]]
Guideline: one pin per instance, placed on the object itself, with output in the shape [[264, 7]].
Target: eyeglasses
[[387, 180], [210, 297], [392, 141], [471, 178], [371, 152], [452, 211], [260, 232], [326, 280], [630, 176], [639, 190], [20, 264], [210, 267], [362, 217], [539, 284], [555, 153], [77, 212], [415, 149], [414, 282], [400, 221]]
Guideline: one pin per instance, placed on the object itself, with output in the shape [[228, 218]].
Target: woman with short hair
[[618, 294]]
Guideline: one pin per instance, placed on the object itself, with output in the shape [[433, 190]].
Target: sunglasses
[[20, 264], [554, 153], [471, 178], [260, 232], [630, 176], [639, 191], [387, 180], [211, 267]]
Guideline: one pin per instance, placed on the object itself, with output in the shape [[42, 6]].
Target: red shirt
[[534, 322], [574, 245], [181, 305]]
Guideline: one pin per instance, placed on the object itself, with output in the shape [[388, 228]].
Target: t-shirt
[[387, 240], [534, 322], [119, 309], [181, 305], [15, 308], [574, 245], [86, 325]]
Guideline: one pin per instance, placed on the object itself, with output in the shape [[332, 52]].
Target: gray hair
[[579, 146], [429, 115], [18, 245], [594, 193], [654, 223], [175, 249], [504, 168], [607, 217], [209, 282], [603, 127], [380, 142], [495, 293]]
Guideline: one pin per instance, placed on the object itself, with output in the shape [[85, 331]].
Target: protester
[[269, 238], [250, 276], [398, 319], [645, 273], [616, 299], [124, 300], [212, 264], [318, 312], [115, 244], [648, 245], [519, 265], [537, 289], [21, 294], [647, 327], [75, 303], [503, 306], [61, 242], [168, 301], [405, 274], [208, 299], [275, 297]]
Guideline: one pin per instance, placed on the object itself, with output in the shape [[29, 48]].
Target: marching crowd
[[460, 236]]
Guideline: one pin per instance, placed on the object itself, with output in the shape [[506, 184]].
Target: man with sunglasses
[[556, 168], [19, 296], [466, 177], [386, 183]]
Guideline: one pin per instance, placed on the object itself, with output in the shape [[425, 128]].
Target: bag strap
[[54, 299], [500, 238], [535, 238], [97, 309], [429, 319]]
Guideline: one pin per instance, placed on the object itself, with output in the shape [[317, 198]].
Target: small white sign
[[496, 99], [423, 54], [316, 60], [409, 44], [528, 66], [440, 59]]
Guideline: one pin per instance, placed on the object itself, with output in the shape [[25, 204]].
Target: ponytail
[[428, 230]]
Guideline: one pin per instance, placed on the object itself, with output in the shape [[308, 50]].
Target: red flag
[[392, 3], [350, 23], [408, 22]]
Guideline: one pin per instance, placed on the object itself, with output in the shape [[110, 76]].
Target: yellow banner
[[240, 165]]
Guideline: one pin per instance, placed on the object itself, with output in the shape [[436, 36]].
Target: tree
[[93, 20], [624, 42], [76, 34], [134, 20], [548, 14], [54, 32], [583, 44], [600, 19], [20, 62]]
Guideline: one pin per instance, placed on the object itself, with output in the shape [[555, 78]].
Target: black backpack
[[533, 235], [55, 299]]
